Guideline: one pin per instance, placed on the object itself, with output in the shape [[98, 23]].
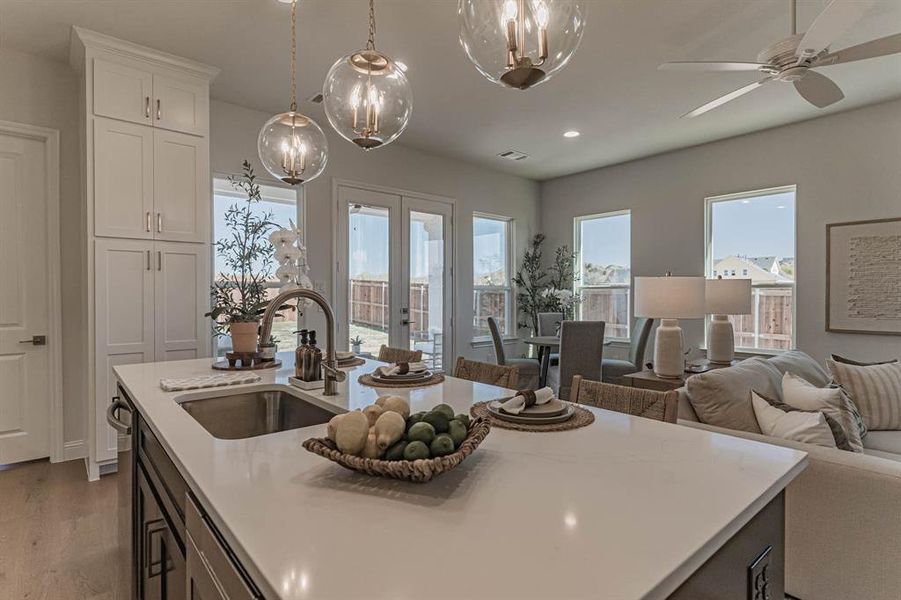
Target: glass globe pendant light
[[367, 96], [292, 146], [520, 43]]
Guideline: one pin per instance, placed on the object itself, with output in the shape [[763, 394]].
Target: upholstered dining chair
[[581, 353], [480, 372], [396, 355], [652, 404], [528, 367], [614, 368], [549, 324]]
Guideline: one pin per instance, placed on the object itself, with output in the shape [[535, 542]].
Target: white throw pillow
[[807, 427], [803, 395]]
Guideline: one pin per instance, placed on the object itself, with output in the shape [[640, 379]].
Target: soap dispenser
[[302, 349]]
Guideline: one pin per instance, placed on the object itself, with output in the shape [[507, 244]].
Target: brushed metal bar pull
[[147, 224], [37, 340], [147, 106], [159, 222], [148, 260], [159, 260], [159, 109]]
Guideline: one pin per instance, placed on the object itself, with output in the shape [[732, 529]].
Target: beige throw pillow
[[722, 397], [875, 389], [807, 427], [800, 394]]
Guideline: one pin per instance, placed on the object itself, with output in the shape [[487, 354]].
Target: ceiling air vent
[[513, 155], [316, 98]]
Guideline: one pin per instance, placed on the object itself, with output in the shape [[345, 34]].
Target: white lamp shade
[[728, 297], [669, 297]]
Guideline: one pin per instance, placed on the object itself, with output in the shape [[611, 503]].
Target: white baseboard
[[74, 450]]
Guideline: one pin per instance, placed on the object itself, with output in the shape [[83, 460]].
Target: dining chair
[[651, 404], [581, 353], [614, 368], [481, 372], [396, 355], [549, 324], [528, 368]]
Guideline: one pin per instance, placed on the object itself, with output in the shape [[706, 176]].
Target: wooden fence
[[370, 307]]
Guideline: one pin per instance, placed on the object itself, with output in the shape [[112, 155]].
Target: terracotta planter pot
[[244, 336]]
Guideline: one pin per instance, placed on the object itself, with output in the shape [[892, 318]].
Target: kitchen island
[[626, 508]]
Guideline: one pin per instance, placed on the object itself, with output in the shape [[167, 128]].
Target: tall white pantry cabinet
[[148, 207]]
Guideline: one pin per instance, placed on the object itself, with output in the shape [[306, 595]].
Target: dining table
[[545, 344]]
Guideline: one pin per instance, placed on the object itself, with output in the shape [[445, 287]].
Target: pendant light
[[520, 43], [292, 146], [367, 96]]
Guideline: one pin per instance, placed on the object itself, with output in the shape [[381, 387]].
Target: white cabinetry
[[148, 204]]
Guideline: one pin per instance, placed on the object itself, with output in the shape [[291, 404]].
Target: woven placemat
[[356, 362], [581, 418], [367, 379]]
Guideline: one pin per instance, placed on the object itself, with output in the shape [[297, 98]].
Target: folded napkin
[[207, 381], [341, 355], [527, 398], [403, 368]]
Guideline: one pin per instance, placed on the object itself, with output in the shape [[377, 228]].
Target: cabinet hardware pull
[[148, 260], [147, 106], [112, 414], [147, 225], [159, 109], [37, 340], [159, 222], [159, 260]]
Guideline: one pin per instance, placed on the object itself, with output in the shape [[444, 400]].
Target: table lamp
[[725, 297], [669, 299]]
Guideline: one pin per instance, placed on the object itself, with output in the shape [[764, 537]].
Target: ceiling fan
[[793, 59]]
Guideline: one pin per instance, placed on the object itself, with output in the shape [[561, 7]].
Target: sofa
[[843, 513]]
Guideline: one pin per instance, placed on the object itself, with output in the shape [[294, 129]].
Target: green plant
[[239, 292], [530, 281], [356, 340], [559, 293]]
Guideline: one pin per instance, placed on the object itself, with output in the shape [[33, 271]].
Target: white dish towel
[[517, 403], [177, 384]]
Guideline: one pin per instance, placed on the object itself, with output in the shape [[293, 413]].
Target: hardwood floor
[[58, 533]]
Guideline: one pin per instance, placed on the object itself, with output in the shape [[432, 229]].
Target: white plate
[[409, 377], [565, 416]]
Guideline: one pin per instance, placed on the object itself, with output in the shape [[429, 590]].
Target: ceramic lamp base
[[720, 341], [668, 358]]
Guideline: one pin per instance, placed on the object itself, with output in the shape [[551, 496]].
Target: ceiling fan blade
[[830, 24], [727, 98], [882, 47], [818, 89], [697, 65]]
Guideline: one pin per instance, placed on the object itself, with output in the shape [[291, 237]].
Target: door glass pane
[[368, 268], [427, 286]]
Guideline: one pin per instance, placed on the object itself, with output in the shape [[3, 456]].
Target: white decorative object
[[670, 299], [291, 254], [725, 297]]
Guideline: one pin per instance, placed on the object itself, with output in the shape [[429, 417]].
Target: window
[[284, 205], [492, 294], [754, 234], [603, 244]]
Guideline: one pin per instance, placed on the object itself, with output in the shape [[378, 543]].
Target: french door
[[395, 273]]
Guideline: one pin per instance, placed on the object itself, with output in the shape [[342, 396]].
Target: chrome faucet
[[331, 374]]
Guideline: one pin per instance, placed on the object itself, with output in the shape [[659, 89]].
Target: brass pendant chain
[[294, 56], [370, 45]]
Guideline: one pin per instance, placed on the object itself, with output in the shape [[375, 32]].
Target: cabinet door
[[122, 92], [123, 179], [182, 296], [123, 319], [181, 187], [181, 104]]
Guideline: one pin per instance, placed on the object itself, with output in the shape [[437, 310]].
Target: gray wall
[[37, 91], [233, 137], [847, 167]]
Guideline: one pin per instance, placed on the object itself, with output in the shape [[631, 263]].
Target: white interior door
[[25, 384], [394, 272]]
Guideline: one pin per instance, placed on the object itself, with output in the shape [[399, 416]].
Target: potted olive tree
[[239, 291]]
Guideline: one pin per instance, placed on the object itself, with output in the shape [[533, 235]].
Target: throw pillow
[[721, 397], [838, 434], [798, 426], [875, 389], [801, 364], [797, 392], [857, 363]]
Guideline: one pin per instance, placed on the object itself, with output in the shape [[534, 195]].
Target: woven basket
[[417, 471]]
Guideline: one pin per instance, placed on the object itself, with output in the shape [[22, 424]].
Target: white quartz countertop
[[626, 508]]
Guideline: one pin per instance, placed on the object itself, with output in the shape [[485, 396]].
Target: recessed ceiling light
[[571, 133], [781, 206], [401, 65], [745, 201]]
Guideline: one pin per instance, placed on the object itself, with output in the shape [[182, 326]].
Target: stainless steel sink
[[253, 413]]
